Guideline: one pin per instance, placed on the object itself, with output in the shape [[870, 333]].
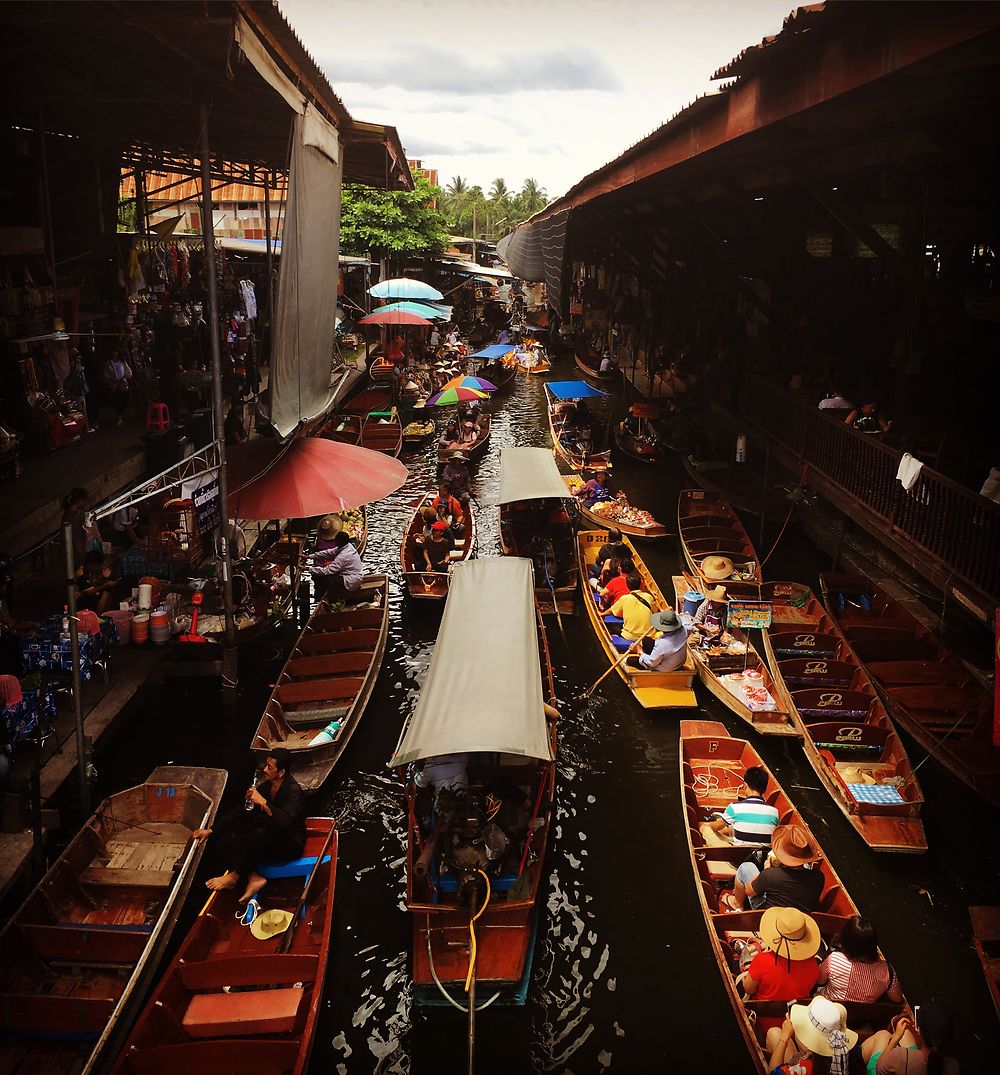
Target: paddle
[[286, 941], [601, 679]]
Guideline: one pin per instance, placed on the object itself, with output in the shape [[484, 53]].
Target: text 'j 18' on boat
[[245, 998], [79, 953], [652, 689], [534, 523], [715, 545], [579, 436], [712, 768], [431, 583], [847, 736], [480, 790], [926, 688], [325, 685]]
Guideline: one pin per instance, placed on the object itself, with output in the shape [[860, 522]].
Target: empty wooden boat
[[508, 743], [371, 399], [650, 688], [925, 687], [986, 941], [709, 528], [847, 737], [323, 689], [473, 451], [79, 953], [232, 1002], [732, 670], [383, 432], [712, 764], [571, 424], [741, 487], [621, 515], [420, 582], [534, 523], [345, 428]]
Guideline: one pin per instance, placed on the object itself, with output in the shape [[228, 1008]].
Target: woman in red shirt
[[788, 969]]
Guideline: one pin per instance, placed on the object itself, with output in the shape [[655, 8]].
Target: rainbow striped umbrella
[[478, 384], [448, 397]]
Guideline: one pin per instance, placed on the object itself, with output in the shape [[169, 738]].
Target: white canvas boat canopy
[[484, 687], [529, 474]]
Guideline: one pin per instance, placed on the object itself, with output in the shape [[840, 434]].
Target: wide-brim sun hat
[[270, 923], [789, 933], [459, 458], [718, 593], [821, 1027], [791, 845], [329, 525], [667, 622], [717, 567]]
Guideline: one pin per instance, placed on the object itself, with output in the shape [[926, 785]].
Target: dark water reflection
[[622, 976]]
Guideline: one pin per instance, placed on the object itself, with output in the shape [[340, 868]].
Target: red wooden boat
[[708, 526], [712, 767], [483, 853], [432, 585], [372, 399], [232, 1003], [343, 427], [79, 953], [925, 687], [846, 733], [986, 941]]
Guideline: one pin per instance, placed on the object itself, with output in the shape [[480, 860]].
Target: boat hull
[[559, 597], [708, 526], [476, 451], [431, 585]]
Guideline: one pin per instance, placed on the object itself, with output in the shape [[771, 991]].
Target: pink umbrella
[[310, 476], [393, 317]]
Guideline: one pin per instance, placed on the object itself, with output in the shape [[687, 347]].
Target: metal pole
[[49, 225], [74, 641], [208, 233], [270, 271]]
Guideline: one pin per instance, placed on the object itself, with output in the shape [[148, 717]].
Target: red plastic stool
[[158, 416]]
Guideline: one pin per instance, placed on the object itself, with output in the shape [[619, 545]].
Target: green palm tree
[[533, 197], [457, 187], [499, 191]]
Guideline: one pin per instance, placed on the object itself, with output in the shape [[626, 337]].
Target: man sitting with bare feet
[[271, 825]]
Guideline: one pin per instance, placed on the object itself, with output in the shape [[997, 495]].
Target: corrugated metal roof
[[800, 20]]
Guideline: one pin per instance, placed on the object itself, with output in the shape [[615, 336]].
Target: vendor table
[[47, 649]]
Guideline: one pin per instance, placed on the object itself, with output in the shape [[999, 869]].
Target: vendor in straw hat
[[817, 1029], [789, 882], [710, 616], [326, 530], [787, 968]]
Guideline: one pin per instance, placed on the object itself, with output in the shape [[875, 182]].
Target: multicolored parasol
[[477, 384], [448, 397]]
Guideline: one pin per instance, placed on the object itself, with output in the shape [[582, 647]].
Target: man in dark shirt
[[790, 883], [271, 825]]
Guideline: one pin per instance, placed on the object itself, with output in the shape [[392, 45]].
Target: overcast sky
[[517, 88]]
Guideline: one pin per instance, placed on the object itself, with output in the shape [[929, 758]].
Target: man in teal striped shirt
[[749, 820]]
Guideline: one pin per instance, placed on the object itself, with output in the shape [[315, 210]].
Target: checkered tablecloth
[[882, 794]]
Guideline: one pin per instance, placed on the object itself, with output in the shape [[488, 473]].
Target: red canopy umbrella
[[393, 317], [310, 476]]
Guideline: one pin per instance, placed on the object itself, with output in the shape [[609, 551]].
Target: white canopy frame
[[530, 474]]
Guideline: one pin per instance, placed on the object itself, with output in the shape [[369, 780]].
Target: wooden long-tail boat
[[925, 687], [650, 688], [345, 428], [562, 432], [847, 737], [478, 854], [590, 367], [371, 399], [639, 441], [380, 371], [624, 517], [432, 585], [535, 523], [232, 1002], [418, 432], [986, 942], [327, 679], [733, 671], [532, 360], [741, 487], [383, 432], [708, 527], [712, 768], [79, 953], [473, 451], [501, 375]]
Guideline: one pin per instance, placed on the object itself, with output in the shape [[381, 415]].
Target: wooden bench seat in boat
[[68, 1017], [332, 641], [875, 1015], [819, 703], [731, 547], [907, 649], [339, 621], [317, 690], [914, 673], [106, 877], [803, 643], [817, 672], [871, 632], [938, 699], [710, 532], [263, 1011], [850, 740], [300, 867], [74, 942], [264, 1057], [248, 970], [329, 664]]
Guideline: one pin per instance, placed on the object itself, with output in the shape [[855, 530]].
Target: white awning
[[469, 268], [529, 474], [484, 687]]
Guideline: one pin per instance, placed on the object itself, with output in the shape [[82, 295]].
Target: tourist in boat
[[269, 826], [455, 476], [635, 610], [450, 511], [787, 968], [448, 772], [340, 570], [667, 653], [913, 1050], [750, 820], [608, 363], [868, 419], [789, 882], [469, 434], [438, 546], [394, 350], [612, 549], [710, 616], [619, 584], [814, 1040], [855, 971]]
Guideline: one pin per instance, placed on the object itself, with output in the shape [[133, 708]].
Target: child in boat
[[626, 580]]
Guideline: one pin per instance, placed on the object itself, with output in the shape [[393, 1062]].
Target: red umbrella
[[393, 317], [310, 476]]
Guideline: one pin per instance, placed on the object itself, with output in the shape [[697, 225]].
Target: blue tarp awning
[[573, 390], [495, 350]]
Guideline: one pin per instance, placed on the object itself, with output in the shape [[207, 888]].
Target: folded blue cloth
[[620, 644]]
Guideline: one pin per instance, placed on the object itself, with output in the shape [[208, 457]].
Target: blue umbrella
[[430, 312], [405, 288]]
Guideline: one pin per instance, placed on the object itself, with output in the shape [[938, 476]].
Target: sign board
[[749, 614], [893, 235], [819, 244], [644, 410], [205, 498]]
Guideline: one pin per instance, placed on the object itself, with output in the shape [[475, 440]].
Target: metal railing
[[942, 519]]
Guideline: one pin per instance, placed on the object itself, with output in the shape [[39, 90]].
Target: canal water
[[623, 977]]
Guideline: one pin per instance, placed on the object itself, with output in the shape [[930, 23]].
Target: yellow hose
[[472, 931]]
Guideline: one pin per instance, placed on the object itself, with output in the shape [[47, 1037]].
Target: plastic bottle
[[249, 804], [65, 623], [327, 735]]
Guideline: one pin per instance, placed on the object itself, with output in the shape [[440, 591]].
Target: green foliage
[[467, 209], [392, 221]]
